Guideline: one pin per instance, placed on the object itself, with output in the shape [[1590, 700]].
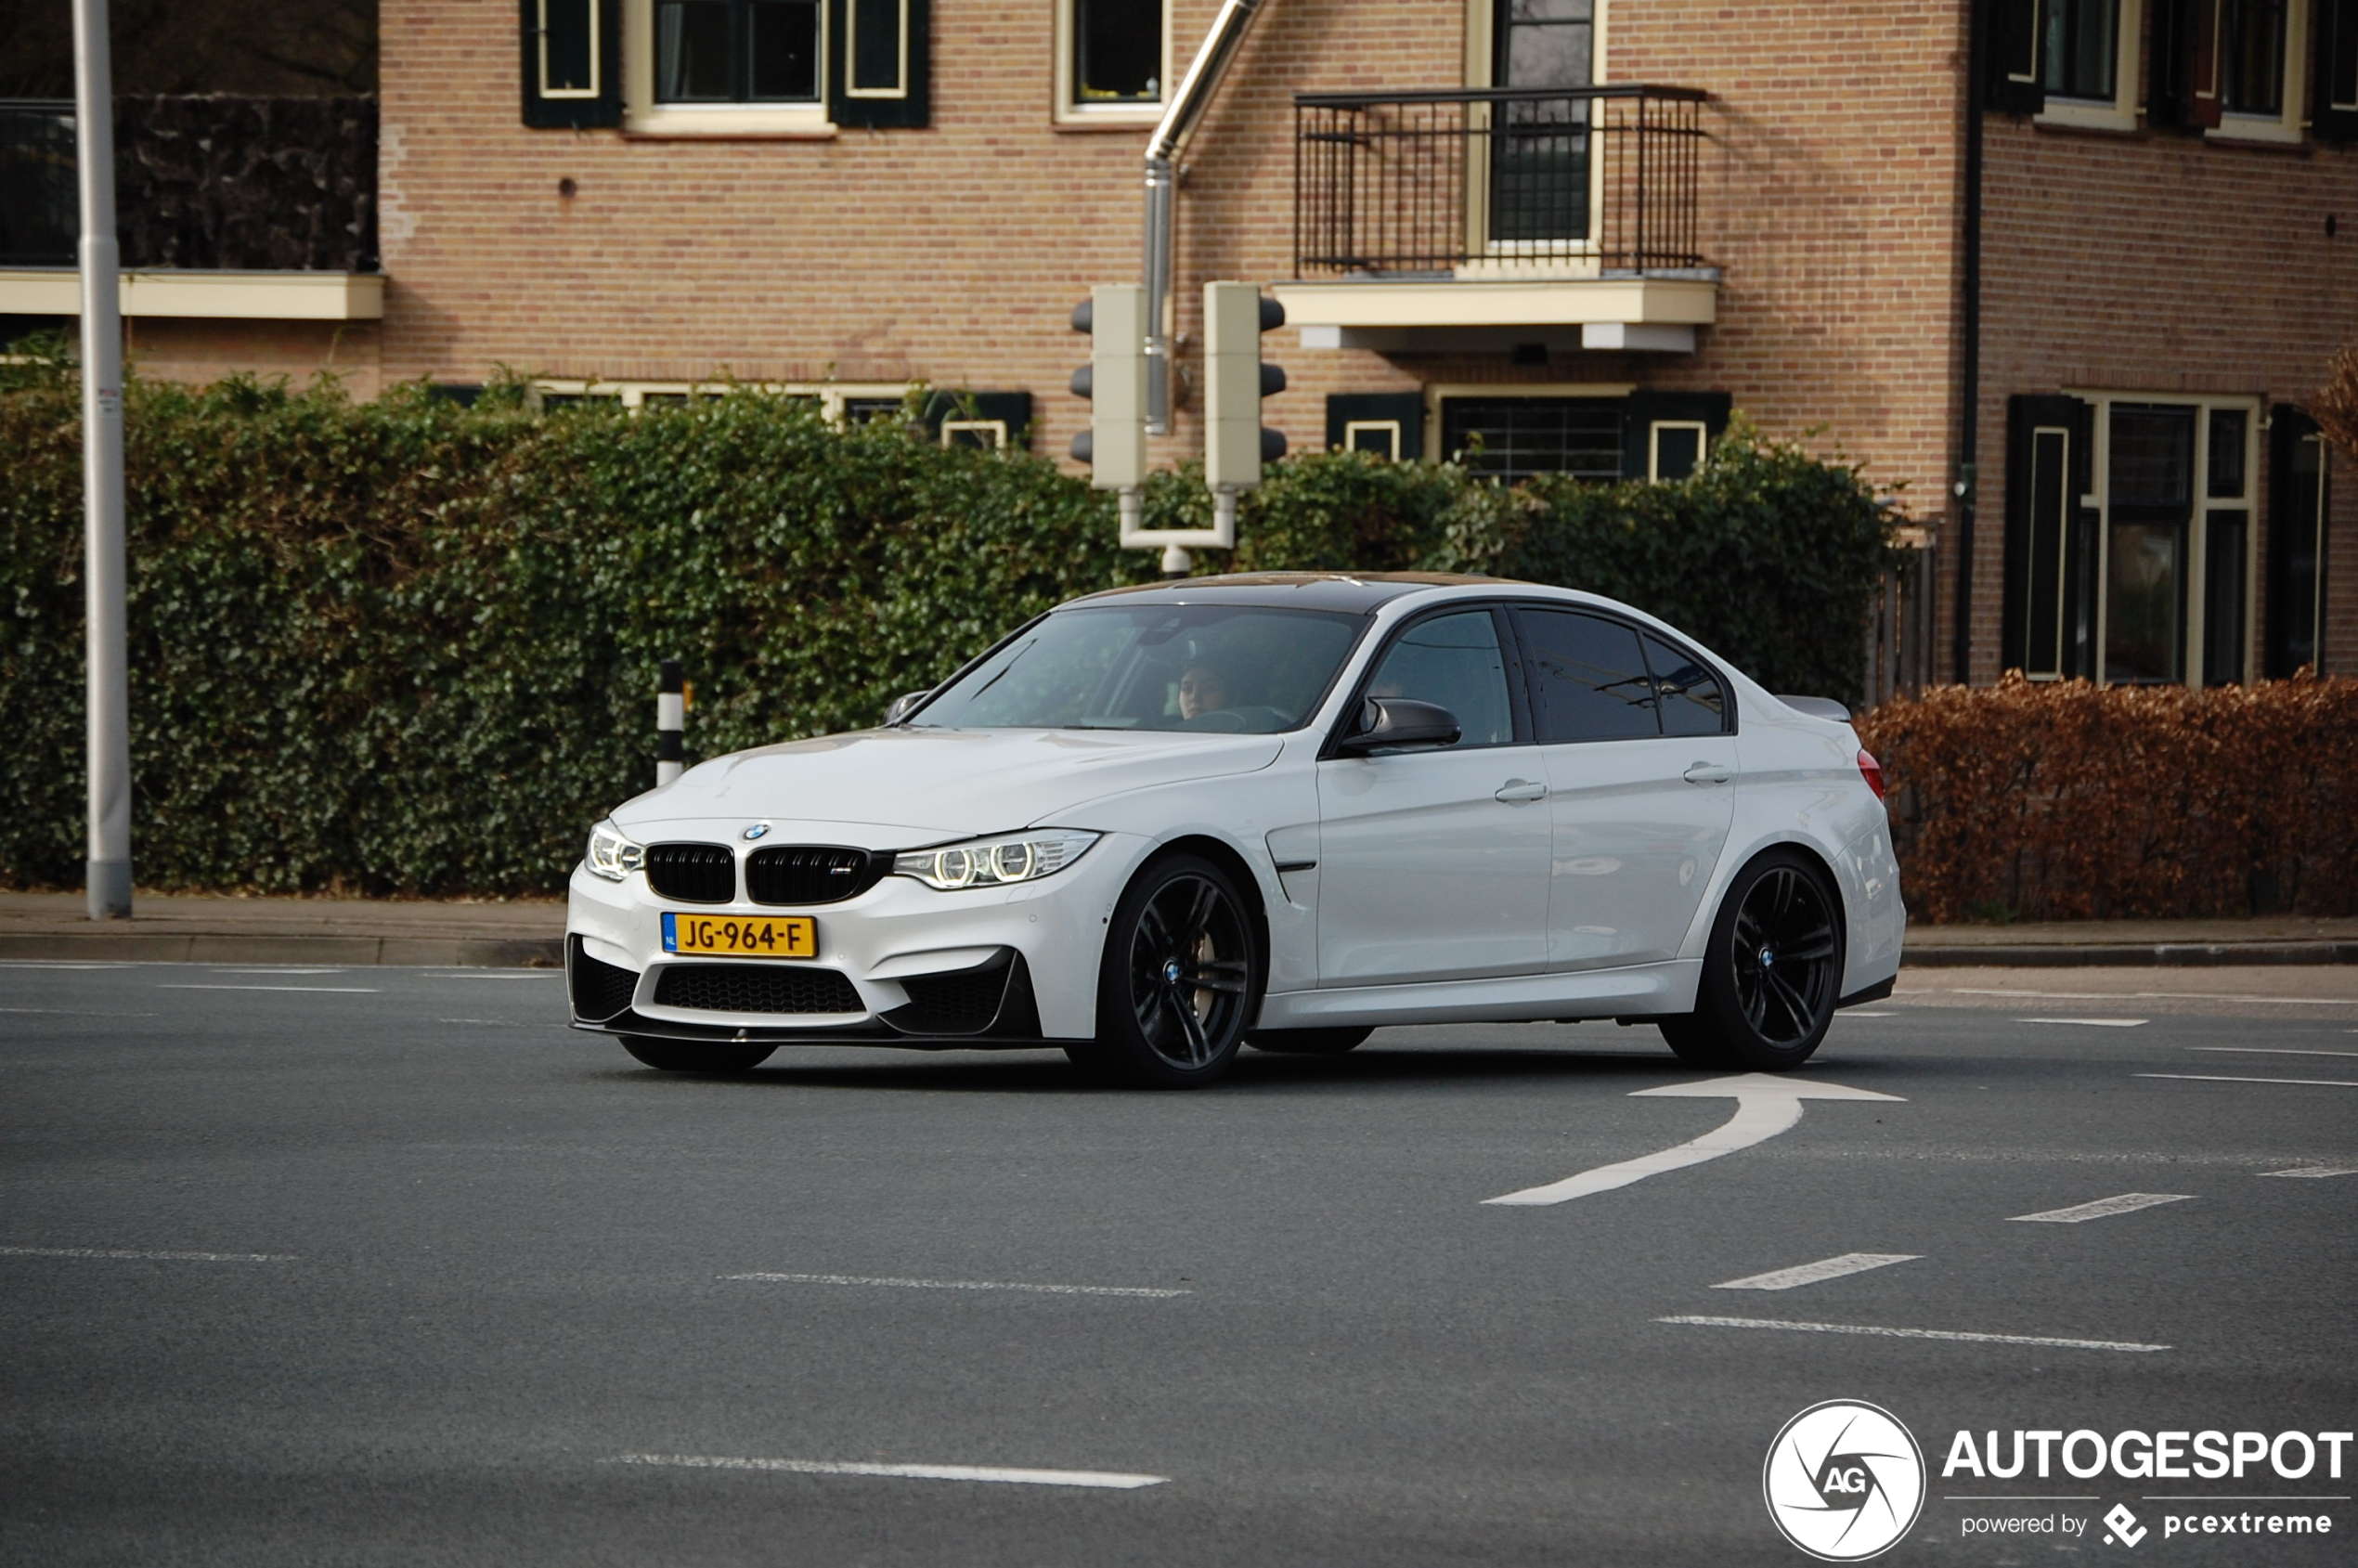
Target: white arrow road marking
[[2103, 1208], [1824, 1268], [1766, 1106], [1108, 1480]]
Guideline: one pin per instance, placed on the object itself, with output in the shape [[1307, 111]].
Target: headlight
[[994, 863], [610, 855]]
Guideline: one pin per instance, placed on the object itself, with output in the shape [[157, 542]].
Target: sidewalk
[[199, 929]]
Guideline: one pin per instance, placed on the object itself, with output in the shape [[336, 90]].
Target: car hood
[[923, 786]]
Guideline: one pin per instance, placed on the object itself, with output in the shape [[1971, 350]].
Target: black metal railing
[[240, 184], [1428, 182]]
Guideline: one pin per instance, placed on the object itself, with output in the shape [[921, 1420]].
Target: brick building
[[2060, 273]]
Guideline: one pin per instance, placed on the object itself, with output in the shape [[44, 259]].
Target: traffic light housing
[[1235, 381], [1115, 384]]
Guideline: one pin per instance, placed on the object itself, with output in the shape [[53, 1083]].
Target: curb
[[2165, 955], [145, 947]]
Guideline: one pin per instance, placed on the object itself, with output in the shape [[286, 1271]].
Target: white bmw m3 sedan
[[1282, 811]]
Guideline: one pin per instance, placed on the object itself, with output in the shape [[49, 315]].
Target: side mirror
[[903, 705], [1385, 722]]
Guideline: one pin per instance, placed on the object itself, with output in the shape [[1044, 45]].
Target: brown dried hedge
[[2045, 801]]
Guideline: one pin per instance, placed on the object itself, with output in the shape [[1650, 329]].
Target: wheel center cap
[[1171, 971], [1768, 959]]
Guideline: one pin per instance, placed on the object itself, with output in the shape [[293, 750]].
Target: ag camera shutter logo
[[1844, 1481]]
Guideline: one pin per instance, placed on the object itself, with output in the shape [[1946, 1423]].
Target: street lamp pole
[[108, 700]]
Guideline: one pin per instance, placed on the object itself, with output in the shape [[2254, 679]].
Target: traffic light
[[1115, 384], [1235, 381]]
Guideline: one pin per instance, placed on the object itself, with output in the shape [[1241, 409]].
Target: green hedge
[[408, 647]]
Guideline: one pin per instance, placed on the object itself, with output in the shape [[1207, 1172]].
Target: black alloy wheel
[[1771, 973], [1309, 1041], [1180, 979], [718, 1058]]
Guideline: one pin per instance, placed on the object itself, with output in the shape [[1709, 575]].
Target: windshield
[[1153, 666]]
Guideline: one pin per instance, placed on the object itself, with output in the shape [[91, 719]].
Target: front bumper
[[918, 967]]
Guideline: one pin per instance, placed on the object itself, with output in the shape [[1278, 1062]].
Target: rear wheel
[[1772, 973], [696, 1056], [1307, 1042], [1181, 976]]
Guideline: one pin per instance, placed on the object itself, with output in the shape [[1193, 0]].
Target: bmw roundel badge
[[757, 830]]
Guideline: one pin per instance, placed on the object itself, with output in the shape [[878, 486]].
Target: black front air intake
[[756, 988], [600, 989], [693, 874], [810, 873]]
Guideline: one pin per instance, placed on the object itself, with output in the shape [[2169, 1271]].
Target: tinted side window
[[1452, 661], [1692, 703], [1589, 679]]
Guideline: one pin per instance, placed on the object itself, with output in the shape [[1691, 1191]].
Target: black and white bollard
[[671, 719]]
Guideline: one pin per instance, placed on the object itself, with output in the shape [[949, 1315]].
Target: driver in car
[[1204, 689]]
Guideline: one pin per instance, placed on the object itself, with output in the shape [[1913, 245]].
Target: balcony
[[229, 207], [1480, 218]]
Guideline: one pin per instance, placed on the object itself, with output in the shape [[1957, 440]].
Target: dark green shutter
[[1010, 409], [1403, 412], [2295, 554], [2016, 85], [2334, 114], [2050, 547], [2184, 90], [571, 63], [1646, 406], [880, 65]]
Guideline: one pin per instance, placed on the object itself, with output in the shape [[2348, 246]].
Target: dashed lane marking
[[2143, 996], [1150, 1291], [1824, 1268], [2222, 1078], [2092, 1023], [1854, 1014], [2271, 1051], [1881, 1333], [2316, 1170], [159, 1257], [1104, 1479], [2103, 1208]]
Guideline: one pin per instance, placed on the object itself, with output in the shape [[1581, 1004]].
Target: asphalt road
[[384, 1267]]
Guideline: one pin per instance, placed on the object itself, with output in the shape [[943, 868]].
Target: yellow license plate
[[742, 936]]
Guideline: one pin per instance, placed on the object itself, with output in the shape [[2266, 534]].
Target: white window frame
[[2098, 115], [1352, 428], [830, 396], [1071, 110], [597, 57], [2196, 564], [1439, 393], [2291, 126], [851, 52], [994, 431], [1654, 443], [642, 115]]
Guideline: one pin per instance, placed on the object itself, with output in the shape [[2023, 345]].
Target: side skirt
[[1642, 990]]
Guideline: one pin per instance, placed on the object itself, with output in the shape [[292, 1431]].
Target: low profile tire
[[1307, 1042], [1772, 973], [1181, 976], [694, 1056]]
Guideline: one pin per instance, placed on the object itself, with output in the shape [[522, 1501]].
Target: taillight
[[1870, 770]]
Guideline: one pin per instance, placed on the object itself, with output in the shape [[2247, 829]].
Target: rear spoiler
[[1818, 707]]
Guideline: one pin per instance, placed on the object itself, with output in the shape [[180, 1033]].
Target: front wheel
[[1180, 979], [1771, 973], [694, 1056]]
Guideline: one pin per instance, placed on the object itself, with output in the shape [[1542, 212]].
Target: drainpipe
[[1187, 106], [1967, 488]]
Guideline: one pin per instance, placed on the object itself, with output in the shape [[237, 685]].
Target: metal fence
[[1428, 182]]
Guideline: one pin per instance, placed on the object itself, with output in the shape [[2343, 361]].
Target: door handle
[[1518, 792], [1707, 773]]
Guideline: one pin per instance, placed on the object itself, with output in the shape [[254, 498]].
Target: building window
[[737, 51], [1514, 438], [1113, 59], [2251, 56], [2081, 51]]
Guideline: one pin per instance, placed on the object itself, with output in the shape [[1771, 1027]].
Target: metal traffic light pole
[[108, 869]]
